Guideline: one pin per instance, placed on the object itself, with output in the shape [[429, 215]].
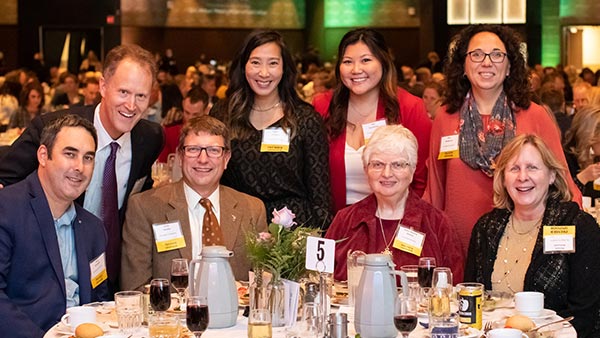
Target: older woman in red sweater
[[392, 217]]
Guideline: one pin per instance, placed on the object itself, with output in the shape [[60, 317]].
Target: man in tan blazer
[[167, 222]]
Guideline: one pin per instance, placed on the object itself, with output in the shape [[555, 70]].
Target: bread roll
[[88, 330], [520, 322]]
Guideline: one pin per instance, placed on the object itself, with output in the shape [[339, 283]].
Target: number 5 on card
[[320, 254]]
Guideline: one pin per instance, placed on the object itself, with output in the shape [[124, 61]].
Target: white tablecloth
[[240, 329]]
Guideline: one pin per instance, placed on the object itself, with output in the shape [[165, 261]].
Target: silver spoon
[[568, 319]]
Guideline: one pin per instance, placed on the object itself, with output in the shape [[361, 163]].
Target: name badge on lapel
[[168, 236], [98, 272], [448, 147], [409, 240], [275, 140], [559, 239]]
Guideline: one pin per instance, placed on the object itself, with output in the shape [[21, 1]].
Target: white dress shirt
[[357, 184], [93, 194], [196, 215]]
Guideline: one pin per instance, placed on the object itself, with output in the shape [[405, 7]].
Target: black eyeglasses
[[211, 151], [478, 56]]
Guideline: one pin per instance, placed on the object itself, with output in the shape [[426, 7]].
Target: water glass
[[163, 325], [412, 274], [442, 278], [309, 325], [128, 305], [259, 324]]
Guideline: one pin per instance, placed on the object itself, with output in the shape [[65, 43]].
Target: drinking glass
[[405, 315], [412, 273], [196, 317], [163, 325], [425, 272], [309, 325], [179, 277], [160, 173], [160, 294], [442, 278], [128, 305], [259, 324]]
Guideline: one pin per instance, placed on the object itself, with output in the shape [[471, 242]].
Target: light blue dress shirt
[[93, 194], [68, 254]]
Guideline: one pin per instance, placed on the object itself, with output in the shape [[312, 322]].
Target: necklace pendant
[[387, 251]]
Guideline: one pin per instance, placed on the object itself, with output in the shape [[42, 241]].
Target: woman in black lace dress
[[279, 145], [510, 248]]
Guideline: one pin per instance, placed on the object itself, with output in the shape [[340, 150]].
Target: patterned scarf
[[479, 145]]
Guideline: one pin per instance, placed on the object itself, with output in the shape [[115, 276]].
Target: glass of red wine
[[405, 315], [179, 277], [425, 272], [196, 315], [160, 294]]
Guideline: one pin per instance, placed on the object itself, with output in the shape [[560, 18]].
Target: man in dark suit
[[51, 249], [204, 151], [128, 75]]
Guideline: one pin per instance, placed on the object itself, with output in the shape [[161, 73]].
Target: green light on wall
[[550, 32], [349, 13], [371, 13]]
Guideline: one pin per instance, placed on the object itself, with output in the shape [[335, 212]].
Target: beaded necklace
[[511, 236]]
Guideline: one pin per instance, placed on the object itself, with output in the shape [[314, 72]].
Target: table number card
[[320, 254]]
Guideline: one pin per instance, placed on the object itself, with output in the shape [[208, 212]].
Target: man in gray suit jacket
[[158, 219]]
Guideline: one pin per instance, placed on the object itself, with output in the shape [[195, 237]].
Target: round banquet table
[[240, 329]]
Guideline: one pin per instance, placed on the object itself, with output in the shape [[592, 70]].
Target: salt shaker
[[337, 325]]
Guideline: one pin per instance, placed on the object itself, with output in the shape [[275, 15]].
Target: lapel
[[137, 156], [45, 222], [179, 212], [231, 217]]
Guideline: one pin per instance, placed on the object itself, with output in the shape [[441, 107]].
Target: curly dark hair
[[338, 108], [516, 85], [235, 111]]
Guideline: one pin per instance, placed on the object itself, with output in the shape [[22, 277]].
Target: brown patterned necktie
[[211, 231]]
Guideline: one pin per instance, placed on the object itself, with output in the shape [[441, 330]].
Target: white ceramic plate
[[546, 314]]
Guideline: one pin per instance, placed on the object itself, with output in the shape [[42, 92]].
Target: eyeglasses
[[395, 166], [211, 151], [478, 56]]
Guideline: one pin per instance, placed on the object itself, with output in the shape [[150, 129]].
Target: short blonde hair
[[392, 139], [561, 191]]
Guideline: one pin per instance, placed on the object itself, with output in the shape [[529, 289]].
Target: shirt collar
[[193, 198], [67, 217], [103, 138]]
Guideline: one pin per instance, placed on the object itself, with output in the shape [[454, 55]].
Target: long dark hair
[[338, 108], [235, 111], [516, 85]]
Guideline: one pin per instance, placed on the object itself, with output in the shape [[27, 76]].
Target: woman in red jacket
[[366, 97]]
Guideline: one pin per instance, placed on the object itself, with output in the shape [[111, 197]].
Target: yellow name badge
[[168, 236], [275, 140], [448, 147], [559, 239], [409, 240], [98, 272]]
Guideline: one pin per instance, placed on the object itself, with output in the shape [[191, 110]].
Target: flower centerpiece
[[282, 252]]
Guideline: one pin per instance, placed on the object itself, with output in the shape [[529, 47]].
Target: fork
[[487, 327]]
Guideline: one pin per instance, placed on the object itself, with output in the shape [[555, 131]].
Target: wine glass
[[425, 273], [160, 294], [179, 277], [196, 317], [405, 315]]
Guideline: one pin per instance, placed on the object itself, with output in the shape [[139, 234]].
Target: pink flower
[[284, 217], [264, 236]]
